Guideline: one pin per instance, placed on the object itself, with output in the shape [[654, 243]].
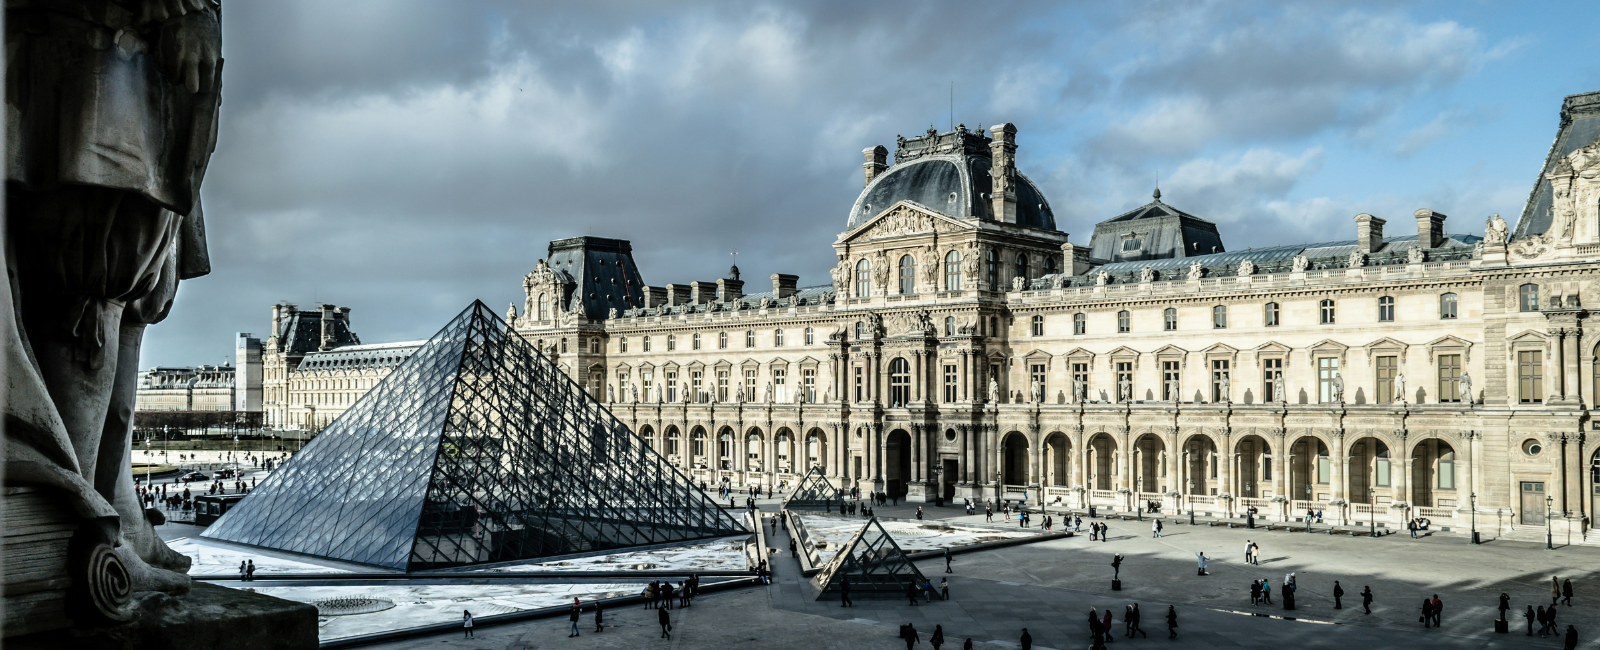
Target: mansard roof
[[1151, 231], [947, 173], [1580, 126], [602, 271]]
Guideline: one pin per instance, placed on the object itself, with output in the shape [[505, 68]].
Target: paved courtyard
[[1048, 587]]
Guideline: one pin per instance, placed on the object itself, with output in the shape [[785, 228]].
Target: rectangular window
[[1124, 322], [696, 341], [1270, 368], [1080, 378], [1323, 469], [750, 385], [647, 378], [750, 338], [1327, 367], [1383, 472], [1170, 390], [777, 338], [860, 385], [672, 386], [808, 377], [950, 393], [1387, 367], [1447, 306], [1036, 373], [777, 385], [672, 342], [1272, 314], [1386, 309], [1219, 372], [1080, 324], [1449, 378], [622, 386], [1530, 376], [722, 385], [697, 383], [1447, 475]]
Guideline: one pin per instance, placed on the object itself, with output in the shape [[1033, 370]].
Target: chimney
[[876, 161], [1369, 233], [655, 297], [702, 292], [730, 289], [1003, 171], [678, 294], [277, 322], [783, 285], [327, 327], [1430, 228], [344, 315], [1075, 259]]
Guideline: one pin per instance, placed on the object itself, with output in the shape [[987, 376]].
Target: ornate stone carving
[[1247, 268], [1196, 271], [1019, 283], [841, 278], [880, 272], [1101, 278], [1147, 274], [930, 269], [1358, 259], [1530, 247], [1495, 230], [913, 323], [1300, 263], [1415, 255]]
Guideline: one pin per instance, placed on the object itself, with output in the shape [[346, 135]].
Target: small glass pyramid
[[814, 492], [874, 564], [476, 449]]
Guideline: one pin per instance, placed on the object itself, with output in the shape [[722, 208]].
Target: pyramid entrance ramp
[[874, 565], [476, 449]]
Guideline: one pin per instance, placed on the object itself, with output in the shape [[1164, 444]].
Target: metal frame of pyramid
[[814, 492], [874, 563], [476, 449]]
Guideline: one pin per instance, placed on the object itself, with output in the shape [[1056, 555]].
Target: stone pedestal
[[919, 492], [207, 617]]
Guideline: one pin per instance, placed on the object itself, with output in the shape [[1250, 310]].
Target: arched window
[[992, 266], [861, 331], [1447, 306], [1272, 314], [950, 330], [810, 336], [1385, 309], [622, 344], [544, 307], [899, 382], [908, 275], [1169, 319], [722, 340], [952, 271], [1022, 266], [672, 342], [1080, 324], [696, 340], [749, 338], [863, 278], [1528, 297], [1124, 321], [777, 338], [1049, 265], [1038, 326], [1219, 317], [1326, 309]]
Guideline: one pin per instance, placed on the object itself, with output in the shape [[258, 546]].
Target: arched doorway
[[1433, 474], [673, 446], [1057, 460], [752, 460], [1310, 471], [897, 463], [1371, 474], [697, 448], [783, 452], [1594, 485], [725, 449], [1014, 459], [1255, 467], [1200, 466], [1150, 468], [649, 436], [817, 450], [1102, 462]]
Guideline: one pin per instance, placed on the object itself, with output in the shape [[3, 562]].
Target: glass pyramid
[[476, 449], [814, 492], [874, 564]]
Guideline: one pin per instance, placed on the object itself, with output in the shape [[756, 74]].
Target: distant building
[[199, 388], [313, 366], [247, 372]]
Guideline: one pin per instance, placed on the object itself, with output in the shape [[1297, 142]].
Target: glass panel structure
[[477, 449], [814, 492], [874, 564]]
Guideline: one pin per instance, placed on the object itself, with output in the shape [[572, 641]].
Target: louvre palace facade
[[965, 348]]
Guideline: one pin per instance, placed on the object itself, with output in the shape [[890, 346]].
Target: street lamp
[[1137, 484], [1473, 499], [1308, 507], [1372, 509], [1191, 502], [1549, 544]]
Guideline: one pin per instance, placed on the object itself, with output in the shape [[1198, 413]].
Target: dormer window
[[1132, 241]]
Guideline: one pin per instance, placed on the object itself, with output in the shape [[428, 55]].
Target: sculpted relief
[[905, 220], [1575, 197]]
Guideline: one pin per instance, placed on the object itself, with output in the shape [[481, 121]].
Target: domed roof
[[953, 182]]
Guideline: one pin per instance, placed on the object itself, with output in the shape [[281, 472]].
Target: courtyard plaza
[[1048, 587]]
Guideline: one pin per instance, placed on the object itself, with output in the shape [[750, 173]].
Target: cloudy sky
[[403, 158]]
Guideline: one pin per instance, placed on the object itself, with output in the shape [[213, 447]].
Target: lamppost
[[1137, 484], [1473, 499], [1372, 510], [1191, 502], [1250, 517], [1549, 543], [1308, 507]]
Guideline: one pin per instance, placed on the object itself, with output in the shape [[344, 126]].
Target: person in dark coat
[[938, 637], [1135, 617], [947, 560], [572, 617], [908, 633], [1530, 616], [1427, 612], [1026, 640], [1438, 611], [844, 592], [1366, 598], [1338, 595], [665, 620], [1172, 622], [1505, 604], [1566, 592], [1116, 566], [599, 617], [911, 593], [1572, 639], [1255, 592]]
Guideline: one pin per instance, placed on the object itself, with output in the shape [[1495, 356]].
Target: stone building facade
[[964, 348], [197, 388], [313, 366]]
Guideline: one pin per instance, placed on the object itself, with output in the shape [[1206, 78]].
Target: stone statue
[[1174, 390], [1414, 255], [661, 394], [739, 397], [612, 313], [994, 391], [1338, 388], [1033, 391], [511, 314], [1227, 389], [1300, 263], [1101, 278], [1495, 230], [611, 393], [1147, 275], [766, 301], [687, 398], [1358, 259], [1019, 283], [1466, 388], [1195, 271], [841, 278], [827, 397], [1278, 389], [1124, 389], [635, 389], [1400, 387], [1077, 390], [1247, 268], [767, 395], [111, 121]]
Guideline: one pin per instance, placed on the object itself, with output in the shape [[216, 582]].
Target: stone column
[[916, 376], [878, 449], [916, 453], [961, 367], [1338, 468]]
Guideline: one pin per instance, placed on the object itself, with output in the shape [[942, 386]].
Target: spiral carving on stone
[[108, 584]]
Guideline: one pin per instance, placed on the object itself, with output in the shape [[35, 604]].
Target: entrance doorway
[[948, 478], [897, 468], [1533, 503]]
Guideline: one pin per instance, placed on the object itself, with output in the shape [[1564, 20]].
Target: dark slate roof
[[301, 331], [602, 272], [949, 174], [1580, 126], [376, 355], [1166, 232], [821, 294]]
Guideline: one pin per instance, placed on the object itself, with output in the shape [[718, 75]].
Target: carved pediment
[[1387, 344], [1528, 336], [902, 219], [1170, 350], [1272, 347], [1450, 344], [1220, 350]]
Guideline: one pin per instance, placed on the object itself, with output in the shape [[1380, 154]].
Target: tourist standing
[[466, 625], [1366, 598], [1555, 590], [944, 589], [1266, 591], [844, 592], [1338, 596], [1255, 592], [1201, 555], [250, 570], [572, 617], [1427, 612], [911, 593], [1530, 616], [599, 617], [1566, 593], [1155, 528]]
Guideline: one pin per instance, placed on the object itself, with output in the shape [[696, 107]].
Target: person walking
[[466, 625], [938, 637], [967, 645], [599, 618], [1136, 618], [1077, 523], [1530, 616], [844, 593], [1571, 642], [1555, 590], [947, 560], [1566, 592], [1255, 592], [1127, 620], [1247, 546], [1105, 623], [1550, 620], [1201, 555], [1338, 595], [919, 513], [1026, 641], [250, 570], [1438, 611], [1172, 622], [1366, 598], [1427, 612], [1266, 591], [1544, 621], [911, 593], [665, 619], [944, 589], [242, 574], [908, 633], [1155, 528], [572, 617]]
